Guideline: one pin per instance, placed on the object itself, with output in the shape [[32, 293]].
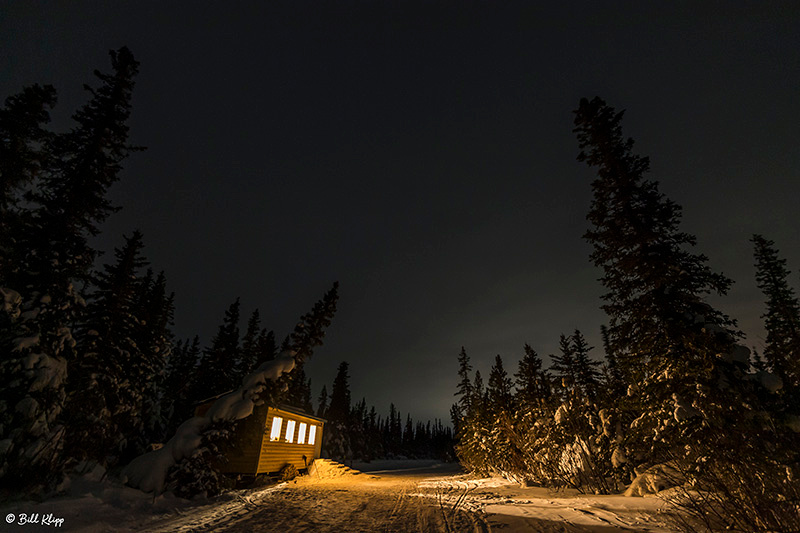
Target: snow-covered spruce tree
[[322, 402], [182, 362], [154, 340], [574, 439], [614, 384], [24, 155], [474, 442], [249, 352], [336, 439], [217, 369], [43, 301], [782, 318], [104, 405], [299, 391], [676, 351], [504, 457], [563, 365], [587, 375], [461, 408], [533, 417], [407, 443]]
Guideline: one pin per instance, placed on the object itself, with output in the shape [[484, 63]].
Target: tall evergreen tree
[[336, 439], [464, 390], [266, 348], [309, 332], [655, 285], [532, 387], [614, 380], [563, 365], [782, 318], [322, 402], [250, 348], [154, 338], [339, 408], [670, 344], [217, 371], [181, 367], [24, 156], [587, 375], [42, 300], [104, 403], [499, 387], [299, 391]]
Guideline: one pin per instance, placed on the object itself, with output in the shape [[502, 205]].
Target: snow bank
[[654, 480], [149, 471]]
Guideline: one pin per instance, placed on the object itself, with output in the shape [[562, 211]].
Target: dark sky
[[422, 155]]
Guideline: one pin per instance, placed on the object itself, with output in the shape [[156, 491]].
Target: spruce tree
[[656, 285], [339, 408], [322, 402], [299, 392], [265, 347], [782, 318], [181, 367], [563, 365], [337, 436], [24, 155], [499, 387], [104, 403], [154, 338], [42, 298], [532, 384], [464, 390], [669, 343], [587, 375], [250, 348], [217, 370]]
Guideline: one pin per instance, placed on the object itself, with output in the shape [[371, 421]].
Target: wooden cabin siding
[[251, 450], [277, 454]]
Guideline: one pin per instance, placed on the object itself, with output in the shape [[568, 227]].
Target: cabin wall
[[251, 450], [276, 454]]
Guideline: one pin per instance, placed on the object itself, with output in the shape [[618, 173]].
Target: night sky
[[423, 156]]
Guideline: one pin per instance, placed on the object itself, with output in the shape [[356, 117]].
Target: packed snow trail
[[432, 498], [334, 503], [389, 496]]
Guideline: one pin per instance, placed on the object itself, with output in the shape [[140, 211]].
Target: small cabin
[[271, 438]]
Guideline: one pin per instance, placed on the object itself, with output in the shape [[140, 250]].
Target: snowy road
[[410, 496], [430, 499]]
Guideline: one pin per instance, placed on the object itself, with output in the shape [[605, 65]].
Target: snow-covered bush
[[198, 474], [193, 448]]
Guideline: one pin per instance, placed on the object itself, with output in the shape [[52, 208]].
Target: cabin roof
[[282, 406], [298, 411]]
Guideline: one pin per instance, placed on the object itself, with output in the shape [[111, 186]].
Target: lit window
[[301, 433], [275, 433], [312, 434], [290, 431]]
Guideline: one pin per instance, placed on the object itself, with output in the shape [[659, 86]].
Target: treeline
[[676, 401], [90, 371], [353, 432]]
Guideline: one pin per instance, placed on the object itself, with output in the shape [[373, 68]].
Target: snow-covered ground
[[399, 496]]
